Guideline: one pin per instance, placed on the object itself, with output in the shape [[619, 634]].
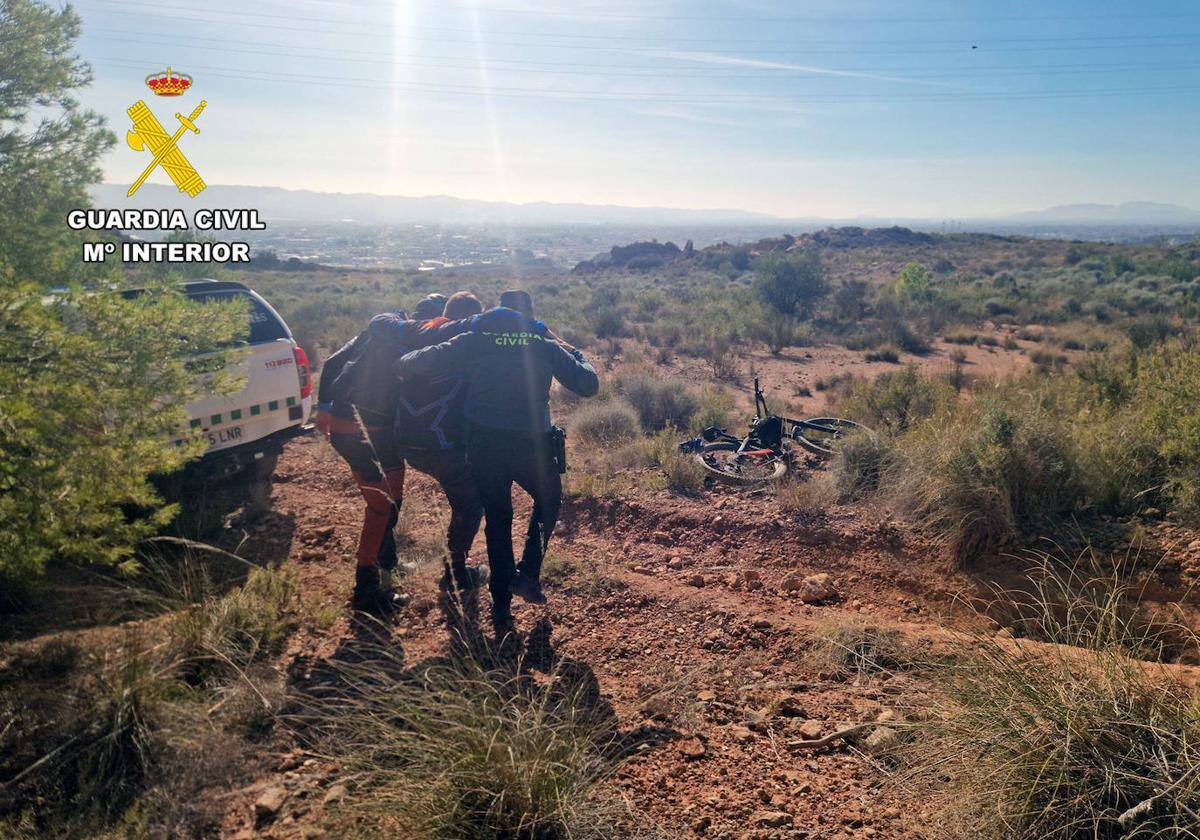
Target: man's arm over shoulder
[[572, 370], [437, 359], [429, 334]]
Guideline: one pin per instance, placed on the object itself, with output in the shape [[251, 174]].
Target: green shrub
[[791, 284], [1146, 332], [894, 401], [914, 283], [611, 421], [659, 402], [680, 473], [960, 337], [716, 409], [777, 331], [982, 475], [109, 369], [883, 354]]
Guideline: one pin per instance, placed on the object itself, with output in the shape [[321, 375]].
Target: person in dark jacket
[[428, 435], [509, 360], [356, 411]]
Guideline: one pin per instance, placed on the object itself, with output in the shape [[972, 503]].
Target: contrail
[[735, 61]]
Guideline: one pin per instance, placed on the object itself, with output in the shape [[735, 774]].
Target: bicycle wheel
[[723, 461], [824, 435]]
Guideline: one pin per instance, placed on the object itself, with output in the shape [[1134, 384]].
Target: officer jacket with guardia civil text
[[508, 362]]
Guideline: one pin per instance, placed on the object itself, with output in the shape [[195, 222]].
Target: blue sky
[[935, 109]]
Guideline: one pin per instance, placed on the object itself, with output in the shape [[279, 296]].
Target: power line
[[374, 26], [544, 12], [1156, 41], [650, 96], [555, 68]]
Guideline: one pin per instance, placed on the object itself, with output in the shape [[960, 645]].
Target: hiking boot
[[372, 597], [503, 624], [469, 578], [466, 579], [528, 590]]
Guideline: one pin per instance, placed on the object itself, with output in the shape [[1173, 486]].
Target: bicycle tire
[[838, 428], [722, 470]]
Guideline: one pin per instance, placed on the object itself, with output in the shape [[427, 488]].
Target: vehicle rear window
[[264, 325]]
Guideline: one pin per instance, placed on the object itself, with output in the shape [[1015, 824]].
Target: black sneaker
[[528, 590]]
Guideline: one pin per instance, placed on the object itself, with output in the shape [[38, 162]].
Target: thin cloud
[[737, 61]]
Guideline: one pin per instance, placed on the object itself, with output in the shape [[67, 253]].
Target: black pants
[[450, 470], [498, 458]]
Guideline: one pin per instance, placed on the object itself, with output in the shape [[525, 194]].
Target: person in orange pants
[[381, 482], [356, 411]]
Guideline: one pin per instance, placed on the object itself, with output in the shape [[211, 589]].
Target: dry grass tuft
[[457, 751], [1068, 741]]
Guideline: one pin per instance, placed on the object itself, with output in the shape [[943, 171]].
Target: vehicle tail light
[[302, 370]]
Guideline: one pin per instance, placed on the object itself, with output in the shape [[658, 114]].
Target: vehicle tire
[[258, 485], [717, 459], [826, 443]]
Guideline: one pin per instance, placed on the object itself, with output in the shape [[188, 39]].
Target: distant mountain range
[[1130, 213], [278, 206]]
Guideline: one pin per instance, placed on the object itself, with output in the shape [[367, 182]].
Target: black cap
[[519, 300], [430, 306]]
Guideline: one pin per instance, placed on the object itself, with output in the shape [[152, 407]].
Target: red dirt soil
[[697, 639]]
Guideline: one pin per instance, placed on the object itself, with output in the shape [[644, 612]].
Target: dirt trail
[[709, 667], [679, 608]]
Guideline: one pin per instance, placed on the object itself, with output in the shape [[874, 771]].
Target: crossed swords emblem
[[148, 132]]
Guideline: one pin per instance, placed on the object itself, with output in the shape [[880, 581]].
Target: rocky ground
[[696, 618], [733, 636]]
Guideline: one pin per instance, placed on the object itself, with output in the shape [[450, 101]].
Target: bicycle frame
[[791, 426]]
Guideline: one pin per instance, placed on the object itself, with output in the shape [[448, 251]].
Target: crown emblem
[[168, 83]]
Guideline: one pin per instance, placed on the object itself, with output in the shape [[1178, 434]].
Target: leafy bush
[[777, 331], [791, 284], [894, 401], [914, 283], [658, 402], [608, 322], [883, 354], [88, 368], [717, 350], [716, 409], [986, 473], [611, 421]]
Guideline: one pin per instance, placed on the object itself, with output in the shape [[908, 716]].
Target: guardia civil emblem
[[148, 134]]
